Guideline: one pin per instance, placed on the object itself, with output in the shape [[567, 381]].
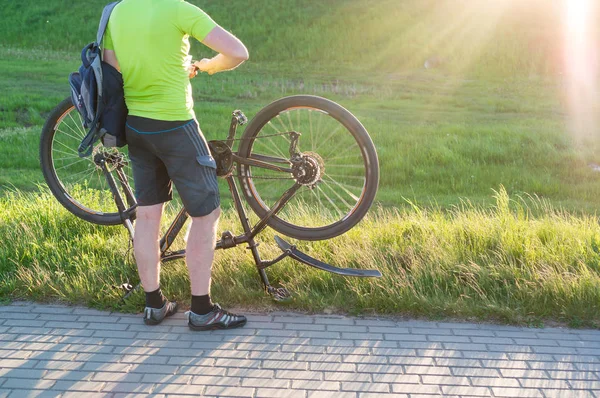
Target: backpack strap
[[104, 21]]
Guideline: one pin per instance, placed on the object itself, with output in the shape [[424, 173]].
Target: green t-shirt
[[151, 41]]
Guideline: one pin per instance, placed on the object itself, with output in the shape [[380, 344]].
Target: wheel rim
[[343, 164], [82, 181]]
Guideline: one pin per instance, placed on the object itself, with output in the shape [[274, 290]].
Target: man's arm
[[232, 52], [110, 58]]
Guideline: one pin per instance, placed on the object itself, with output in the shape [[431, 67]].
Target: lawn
[[487, 199]]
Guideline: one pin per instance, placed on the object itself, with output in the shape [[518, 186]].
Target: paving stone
[[428, 370], [465, 390], [117, 377], [230, 391], [33, 384], [405, 337], [17, 363], [524, 373], [128, 387], [411, 361], [91, 386], [179, 389], [268, 383], [416, 389], [316, 385], [278, 393], [475, 372], [567, 394], [302, 326], [290, 365], [365, 387], [446, 380], [216, 380], [332, 394], [299, 374], [344, 376], [560, 374], [201, 370], [544, 383], [495, 382], [21, 373], [289, 355], [347, 328], [74, 375], [333, 367], [516, 392], [254, 373]]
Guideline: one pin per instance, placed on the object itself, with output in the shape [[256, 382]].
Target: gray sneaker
[[218, 318], [154, 316]]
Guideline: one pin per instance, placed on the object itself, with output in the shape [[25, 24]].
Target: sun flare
[[581, 66]]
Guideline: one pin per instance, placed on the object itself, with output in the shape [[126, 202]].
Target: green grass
[[501, 263], [491, 116], [504, 37]]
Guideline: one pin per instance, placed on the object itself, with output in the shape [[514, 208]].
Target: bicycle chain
[[256, 138], [262, 178]]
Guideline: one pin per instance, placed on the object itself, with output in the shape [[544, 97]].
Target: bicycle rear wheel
[[339, 173], [77, 183]]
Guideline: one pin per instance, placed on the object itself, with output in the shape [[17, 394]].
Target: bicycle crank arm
[[313, 262]]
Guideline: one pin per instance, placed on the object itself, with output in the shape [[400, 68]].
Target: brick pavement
[[71, 351]]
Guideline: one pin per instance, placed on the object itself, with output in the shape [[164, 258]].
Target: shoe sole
[[152, 322], [215, 327]]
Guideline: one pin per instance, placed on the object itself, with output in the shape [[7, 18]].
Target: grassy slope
[[469, 263], [439, 137], [506, 36], [491, 115]]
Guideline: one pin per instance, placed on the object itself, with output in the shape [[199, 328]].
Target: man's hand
[[204, 65], [193, 70]]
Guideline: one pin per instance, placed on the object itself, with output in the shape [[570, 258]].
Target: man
[[148, 41]]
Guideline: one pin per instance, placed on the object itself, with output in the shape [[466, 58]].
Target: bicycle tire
[[47, 141], [358, 133]]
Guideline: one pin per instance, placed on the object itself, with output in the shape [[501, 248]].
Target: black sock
[[201, 305], [155, 299]]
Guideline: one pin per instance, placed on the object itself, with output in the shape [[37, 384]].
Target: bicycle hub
[[308, 169]]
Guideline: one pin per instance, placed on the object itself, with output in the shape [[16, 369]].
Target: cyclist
[[148, 41]]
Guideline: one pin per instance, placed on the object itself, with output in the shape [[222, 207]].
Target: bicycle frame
[[127, 207]]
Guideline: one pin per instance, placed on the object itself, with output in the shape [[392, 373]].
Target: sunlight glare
[[581, 66]]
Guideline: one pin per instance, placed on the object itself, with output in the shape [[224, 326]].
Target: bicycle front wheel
[[339, 171], [77, 183]]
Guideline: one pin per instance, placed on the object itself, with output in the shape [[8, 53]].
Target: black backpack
[[97, 93]]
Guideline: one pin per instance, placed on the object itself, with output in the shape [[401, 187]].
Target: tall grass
[[500, 263]]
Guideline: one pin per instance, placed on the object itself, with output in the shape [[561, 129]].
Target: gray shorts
[[178, 154]]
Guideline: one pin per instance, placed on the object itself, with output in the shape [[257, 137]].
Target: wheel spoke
[[329, 199], [69, 135], [71, 164], [337, 194], [312, 143], [82, 133], [66, 146], [344, 151], [343, 186], [329, 137]]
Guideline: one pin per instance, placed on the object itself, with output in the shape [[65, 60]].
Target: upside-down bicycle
[[301, 153]]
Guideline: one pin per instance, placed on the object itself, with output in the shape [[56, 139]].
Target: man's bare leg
[[199, 257], [200, 251], [145, 245], [147, 257]]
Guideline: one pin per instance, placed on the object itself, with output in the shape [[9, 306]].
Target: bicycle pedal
[[227, 240], [127, 287], [240, 117], [280, 294]]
